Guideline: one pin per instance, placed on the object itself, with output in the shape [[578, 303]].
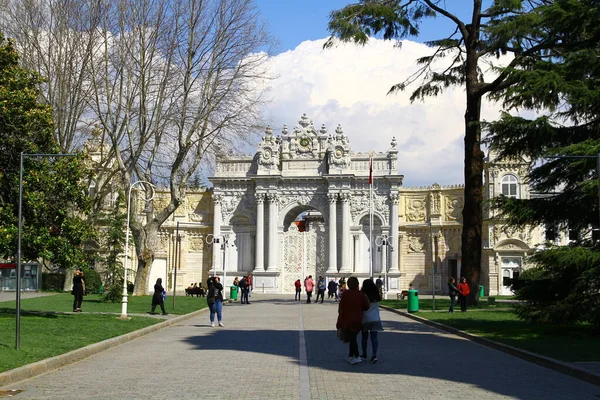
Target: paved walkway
[[276, 348]]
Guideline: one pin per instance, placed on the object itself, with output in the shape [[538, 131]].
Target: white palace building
[[299, 206]]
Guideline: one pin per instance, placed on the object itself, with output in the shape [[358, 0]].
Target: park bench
[[402, 295], [198, 292]]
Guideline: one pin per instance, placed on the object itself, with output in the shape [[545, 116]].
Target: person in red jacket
[[463, 292], [298, 286], [350, 316]]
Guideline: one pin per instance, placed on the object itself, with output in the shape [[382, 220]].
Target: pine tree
[[563, 86]]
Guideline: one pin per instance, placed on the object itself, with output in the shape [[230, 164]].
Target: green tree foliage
[[467, 49], [53, 194], [563, 86]]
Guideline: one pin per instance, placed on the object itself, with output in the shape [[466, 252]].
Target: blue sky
[[294, 21], [348, 86]]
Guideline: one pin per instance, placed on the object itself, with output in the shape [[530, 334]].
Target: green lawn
[[46, 333], [63, 302], [567, 343]]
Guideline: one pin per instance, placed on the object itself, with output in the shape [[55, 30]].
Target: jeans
[[308, 296], [320, 293], [298, 292], [452, 303], [245, 296], [374, 342], [216, 307]]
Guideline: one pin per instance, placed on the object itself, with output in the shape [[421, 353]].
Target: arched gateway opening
[[297, 207]]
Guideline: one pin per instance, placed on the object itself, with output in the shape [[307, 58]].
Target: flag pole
[[371, 255]]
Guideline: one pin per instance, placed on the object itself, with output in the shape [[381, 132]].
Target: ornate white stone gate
[[303, 169], [303, 255]]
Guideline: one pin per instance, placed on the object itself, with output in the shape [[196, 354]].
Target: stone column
[[345, 261], [356, 252], [332, 267], [216, 247], [394, 233], [272, 246], [259, 264]]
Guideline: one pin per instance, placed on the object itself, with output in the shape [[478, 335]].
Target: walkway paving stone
[[258, 355]]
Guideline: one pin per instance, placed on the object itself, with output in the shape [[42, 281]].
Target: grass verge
[[568, 343], [46, 333]]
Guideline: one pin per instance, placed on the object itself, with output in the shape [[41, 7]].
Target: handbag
[[372, 314], [342, 334]]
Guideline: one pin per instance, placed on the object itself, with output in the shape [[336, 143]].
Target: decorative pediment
[[511, 245]]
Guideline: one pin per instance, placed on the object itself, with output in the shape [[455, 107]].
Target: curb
[[48, 364], [543, 361]]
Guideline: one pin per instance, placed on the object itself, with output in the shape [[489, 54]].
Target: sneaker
[[350, 360], [212, 324], [363, 357], [373, 360], [221, 324], [356, 360]]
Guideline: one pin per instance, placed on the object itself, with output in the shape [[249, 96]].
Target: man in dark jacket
[[243, 285]]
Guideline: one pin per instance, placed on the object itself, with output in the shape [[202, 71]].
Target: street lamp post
[[385, 242], [224, 241], [20, 229], [124, 301]]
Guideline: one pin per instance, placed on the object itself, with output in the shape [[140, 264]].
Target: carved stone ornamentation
[[454, 206], [415, 209], [196, 243], [416, 244], [268, 151]]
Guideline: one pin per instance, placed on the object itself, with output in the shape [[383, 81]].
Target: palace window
[[510, 186]]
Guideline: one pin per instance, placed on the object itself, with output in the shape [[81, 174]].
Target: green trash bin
[[413, 301], [233, 293], [481, 291]]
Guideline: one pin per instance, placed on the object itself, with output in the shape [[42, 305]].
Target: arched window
[[510, 186]]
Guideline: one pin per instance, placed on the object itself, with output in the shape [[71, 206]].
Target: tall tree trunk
[[146, 239], [472, 211]]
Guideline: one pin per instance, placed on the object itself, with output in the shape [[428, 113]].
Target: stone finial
[[284, 131], [323, 130], [394, 142], [268, 130], [304, 122], [339, 132]]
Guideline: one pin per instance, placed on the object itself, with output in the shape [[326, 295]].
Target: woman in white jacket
[[371, 320]]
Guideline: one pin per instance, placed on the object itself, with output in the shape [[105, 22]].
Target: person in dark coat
[[350, 316], [214, 299], [245, 288], [452, 292], [78, 290], [157, 297]]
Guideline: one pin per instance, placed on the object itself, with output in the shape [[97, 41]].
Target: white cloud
[[348, 85]]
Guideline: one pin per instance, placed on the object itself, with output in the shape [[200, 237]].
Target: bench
[[198, 292], [402, 295]]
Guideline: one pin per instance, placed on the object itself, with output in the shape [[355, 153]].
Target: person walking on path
[[298, 286], [371, 320], [243, 285], [464, 291], [214, 299], [332, 289], [350, 316], [320, 289], [309, 286], [452, 292], [78, 289], [157, 297], [379, 284]]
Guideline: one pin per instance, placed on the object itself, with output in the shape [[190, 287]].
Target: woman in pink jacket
[[309, 285]]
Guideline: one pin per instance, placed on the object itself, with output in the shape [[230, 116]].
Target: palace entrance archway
[[257, 199]]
